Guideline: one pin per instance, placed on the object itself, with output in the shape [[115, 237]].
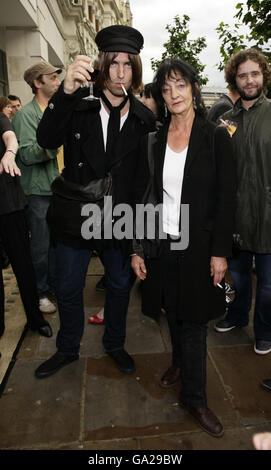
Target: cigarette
[[123, 89], [219, 285], [224, 122]]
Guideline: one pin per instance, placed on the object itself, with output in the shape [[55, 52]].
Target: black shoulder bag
[[65, 212]]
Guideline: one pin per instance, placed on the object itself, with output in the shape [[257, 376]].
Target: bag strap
[[151, 140]]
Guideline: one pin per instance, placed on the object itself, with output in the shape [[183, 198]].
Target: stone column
[[23, 48]]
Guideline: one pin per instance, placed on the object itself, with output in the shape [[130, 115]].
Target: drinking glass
[[93, 76]]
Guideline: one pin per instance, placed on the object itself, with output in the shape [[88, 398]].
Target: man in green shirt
[[249, 73], [39, 168]]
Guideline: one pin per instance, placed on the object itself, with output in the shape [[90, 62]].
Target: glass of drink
[[230, 126], [93, 76]]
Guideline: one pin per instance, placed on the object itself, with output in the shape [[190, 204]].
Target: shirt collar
[[238, 105]]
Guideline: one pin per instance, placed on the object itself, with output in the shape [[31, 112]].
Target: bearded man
[[248, 73]]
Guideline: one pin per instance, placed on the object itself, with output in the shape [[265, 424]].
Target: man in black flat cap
[[99, 136]]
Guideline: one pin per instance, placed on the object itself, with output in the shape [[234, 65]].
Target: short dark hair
[[189, 74], [33, 86], [14, 98], [242, 56], [150, 91], [106, 59]]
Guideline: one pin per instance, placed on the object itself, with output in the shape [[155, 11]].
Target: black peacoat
[[209, 187], [71, 121]]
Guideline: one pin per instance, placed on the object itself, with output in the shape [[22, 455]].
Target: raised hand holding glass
[[93, 76]]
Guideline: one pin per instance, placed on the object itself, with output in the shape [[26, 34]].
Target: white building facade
[[211, 94], [53, 30]]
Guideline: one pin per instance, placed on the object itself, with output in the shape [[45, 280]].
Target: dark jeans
[[72, 265], [240, 269], [188, 339], [15, 238], [42, 251]]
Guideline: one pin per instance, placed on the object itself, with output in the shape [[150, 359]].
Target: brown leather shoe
[[207, 420], [170, 377]]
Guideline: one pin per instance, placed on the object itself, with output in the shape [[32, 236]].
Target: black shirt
[[223, 104], [12, 197]]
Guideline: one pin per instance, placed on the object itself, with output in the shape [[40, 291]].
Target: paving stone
[[242, 371], [15, 321], [143, 334], [92, 298], [232, 337], [91, 344], [41, 411], [117, 444], [233, 439], [95, 267], [136, 405], [90, 405], [121, 397], [47, 346], [32, 347]]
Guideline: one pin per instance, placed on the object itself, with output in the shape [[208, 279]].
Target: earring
[[165, 109], [194, 103]]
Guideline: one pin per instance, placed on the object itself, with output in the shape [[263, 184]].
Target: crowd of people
[[163, 149]]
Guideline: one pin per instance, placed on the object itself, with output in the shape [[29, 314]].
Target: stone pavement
[[91, 405]]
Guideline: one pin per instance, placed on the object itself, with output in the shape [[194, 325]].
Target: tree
[[179, 45], [258, 19], [232, 41]]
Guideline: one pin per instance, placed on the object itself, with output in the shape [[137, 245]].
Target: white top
[[172, 189], [105, 118]]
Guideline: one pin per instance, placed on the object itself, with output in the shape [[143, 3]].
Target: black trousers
[[188, 339], [72, 265], [15, 239]]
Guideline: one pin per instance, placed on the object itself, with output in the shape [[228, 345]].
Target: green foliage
[[179, 45], [232, 41], [258, 19]]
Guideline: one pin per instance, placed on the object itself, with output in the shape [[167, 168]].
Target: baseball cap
[[38, 69]]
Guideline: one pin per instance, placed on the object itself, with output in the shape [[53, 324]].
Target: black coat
[[209, 187], [75, 123]]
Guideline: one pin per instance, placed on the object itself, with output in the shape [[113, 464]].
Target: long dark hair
[[106, 59], [188, 73], [4, 101]]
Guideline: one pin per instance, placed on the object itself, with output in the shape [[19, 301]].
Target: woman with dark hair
[[193, 166], [5, 106]]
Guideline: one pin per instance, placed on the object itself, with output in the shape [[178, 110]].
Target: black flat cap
[[119, 38]]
